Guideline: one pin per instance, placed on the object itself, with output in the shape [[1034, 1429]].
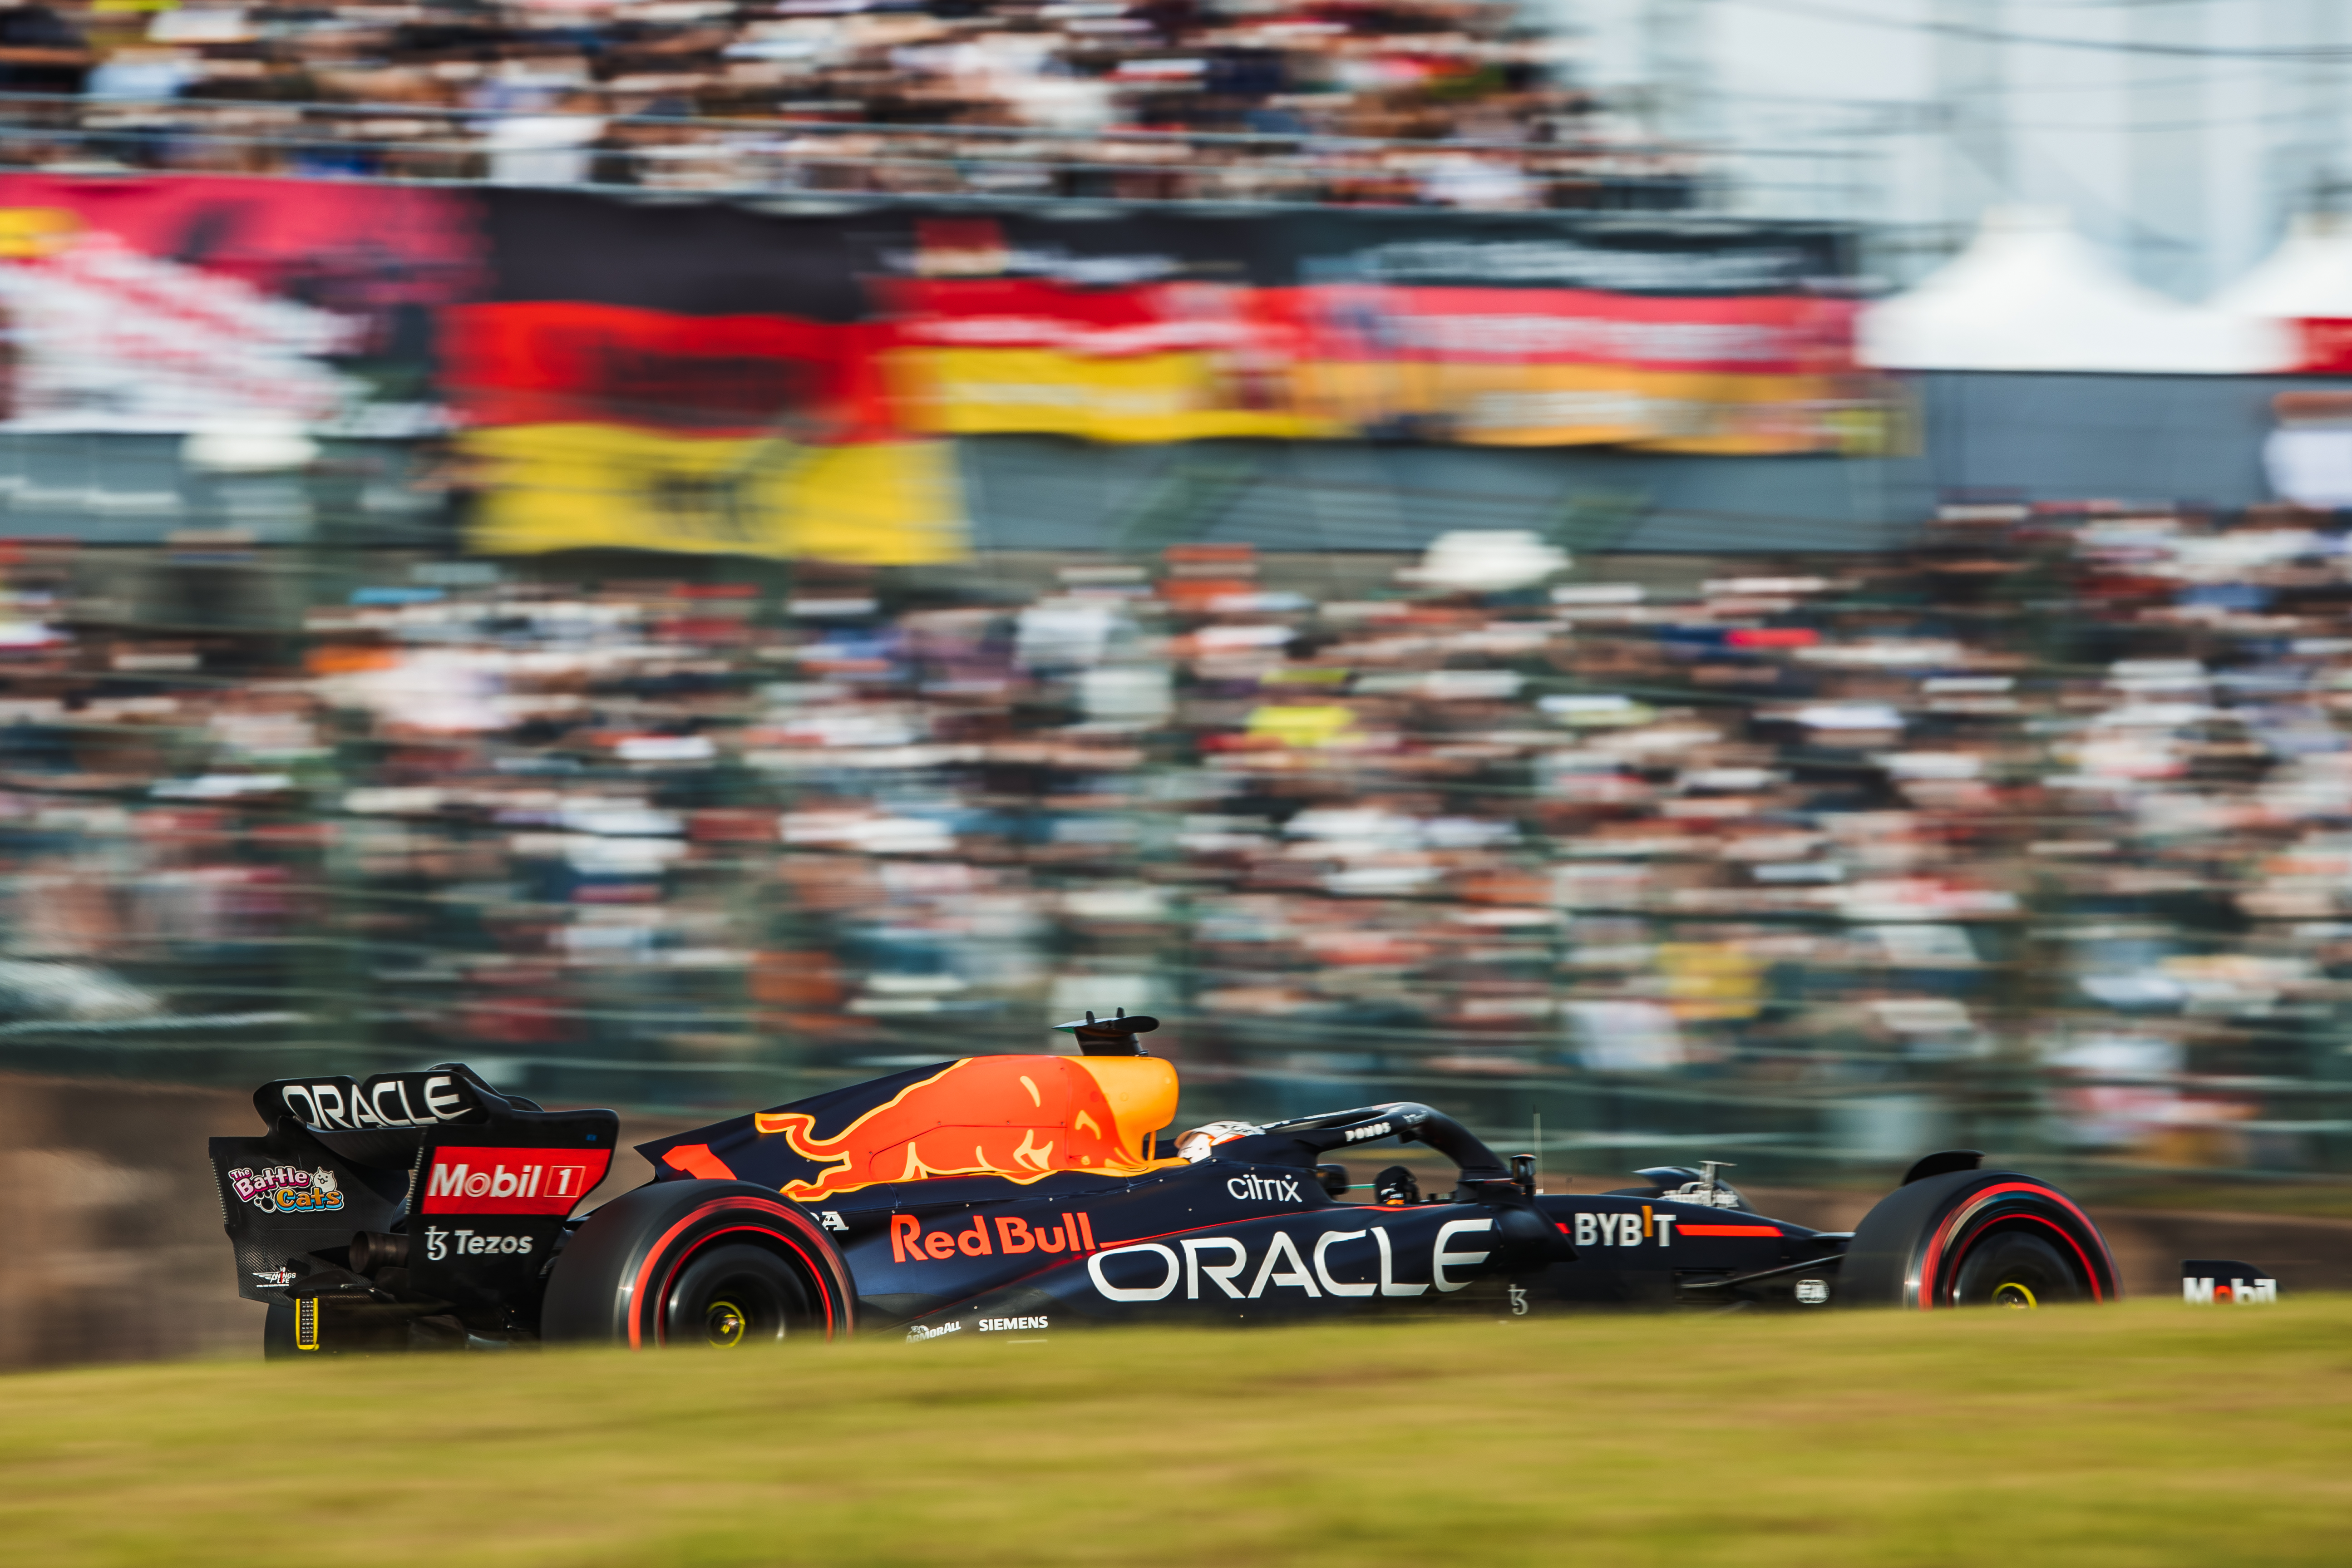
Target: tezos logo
[[440, 1245], [1280, 1189], [287, 1189], [1812, 1292]]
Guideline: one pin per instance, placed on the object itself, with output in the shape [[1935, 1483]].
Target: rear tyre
[[1955, 1239], [726, 1265], [278, 1333], [2010, 1268], [738, 1298]]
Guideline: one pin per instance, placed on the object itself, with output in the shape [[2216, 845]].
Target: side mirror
[[1523, 1172], [1332, 1179]]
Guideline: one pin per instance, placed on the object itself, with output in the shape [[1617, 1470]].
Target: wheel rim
[[2016, 1296], [736, 1297], [724, 1324]]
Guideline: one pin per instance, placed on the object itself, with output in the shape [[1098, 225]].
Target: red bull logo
[[1022, 1118], [910, 1243]]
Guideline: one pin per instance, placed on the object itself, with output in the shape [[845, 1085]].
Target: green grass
[[2093, 1438]]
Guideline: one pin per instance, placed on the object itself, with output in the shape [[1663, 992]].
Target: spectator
[[1862, 848], [1083, 98], [40, 52]]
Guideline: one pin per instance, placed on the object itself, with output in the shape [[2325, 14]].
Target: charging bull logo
[[1022, 1118]]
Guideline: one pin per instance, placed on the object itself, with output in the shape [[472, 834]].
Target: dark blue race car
[[1028, 1194]]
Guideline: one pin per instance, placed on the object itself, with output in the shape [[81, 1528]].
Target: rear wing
[[488, 1203], [461, 1192]]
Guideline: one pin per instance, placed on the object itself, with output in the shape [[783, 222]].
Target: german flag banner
[[691, 376], [1528, 331], [683, 373], [1133, 328], [1161, 361], [1112, 325]]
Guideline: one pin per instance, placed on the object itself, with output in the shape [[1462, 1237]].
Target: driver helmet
[[1197, 1144]]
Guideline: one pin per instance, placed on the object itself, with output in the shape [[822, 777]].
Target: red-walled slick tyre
[[1971, 1238], [725, 1265]]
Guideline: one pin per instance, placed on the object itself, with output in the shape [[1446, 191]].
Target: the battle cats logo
[[287, 1189]]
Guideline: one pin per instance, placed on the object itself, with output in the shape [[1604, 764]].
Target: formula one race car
[[1025, 1195]]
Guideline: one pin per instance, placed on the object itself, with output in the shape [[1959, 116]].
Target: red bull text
[[910, 1243]]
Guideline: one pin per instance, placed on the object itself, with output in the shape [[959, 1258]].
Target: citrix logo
[[1278, 1188]]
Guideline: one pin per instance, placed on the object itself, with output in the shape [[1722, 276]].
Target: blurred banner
[[569, 487], [692, 377], [1137, 327], [188, 303], [701, 376], [1721, 339]]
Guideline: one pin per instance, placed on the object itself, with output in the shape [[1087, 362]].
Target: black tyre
[[734, 1298], [2010, 1268], [697, 1263], [1954, 1240], [278, 1333]]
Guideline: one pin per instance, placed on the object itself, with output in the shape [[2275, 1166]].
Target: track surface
[[2150, 1434]]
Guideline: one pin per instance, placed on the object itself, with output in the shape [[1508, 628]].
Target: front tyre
[[2013, 1270], [1968, 1238], [720, 1265]]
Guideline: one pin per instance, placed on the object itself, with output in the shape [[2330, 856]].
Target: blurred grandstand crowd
[[1343, 101], [2042, 832]]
